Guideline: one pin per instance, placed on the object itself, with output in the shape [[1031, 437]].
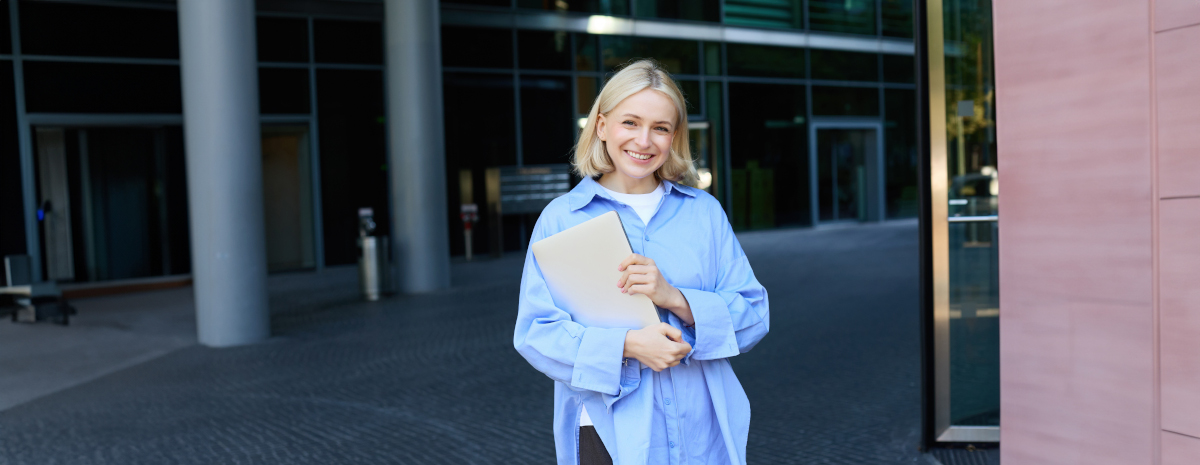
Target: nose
[[643, 138]]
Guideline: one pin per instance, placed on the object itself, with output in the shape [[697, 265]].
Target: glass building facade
[[801, 112]]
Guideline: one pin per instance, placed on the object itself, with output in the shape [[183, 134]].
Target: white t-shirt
[[644, 205]]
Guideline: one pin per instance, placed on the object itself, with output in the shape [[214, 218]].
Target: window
[[359, 42], [53, 87], [677, 56], [760, 60], [844, 66], [846, 16], [52, 28], [692, 10], [765, 13], [282, 39], [476, 48], [845, 101]]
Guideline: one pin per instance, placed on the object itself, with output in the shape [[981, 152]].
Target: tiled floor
[[433, 378]]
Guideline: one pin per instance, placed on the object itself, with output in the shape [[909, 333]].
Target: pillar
[[416, 159], [224, 170]]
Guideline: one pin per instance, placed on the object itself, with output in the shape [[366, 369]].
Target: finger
[[644, 289], [635, 280], [639, 269], [674, 334], [633, 270], [631, 260]]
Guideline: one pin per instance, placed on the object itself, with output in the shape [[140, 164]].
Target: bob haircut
[[591, 157]]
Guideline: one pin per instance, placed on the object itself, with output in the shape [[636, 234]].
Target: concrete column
[[224, 170], [417, 154]]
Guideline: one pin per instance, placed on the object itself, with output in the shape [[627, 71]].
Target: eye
[[662, 129], [629, 122]]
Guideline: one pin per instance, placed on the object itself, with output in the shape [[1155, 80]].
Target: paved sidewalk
[[433, 378]]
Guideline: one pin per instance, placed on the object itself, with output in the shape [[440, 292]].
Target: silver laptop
[[580, 267]]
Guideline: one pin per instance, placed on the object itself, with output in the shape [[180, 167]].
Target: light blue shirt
[[693, 413]]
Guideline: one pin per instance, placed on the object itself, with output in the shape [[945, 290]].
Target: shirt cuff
[[714, 334], [598, 361], [631, 378]]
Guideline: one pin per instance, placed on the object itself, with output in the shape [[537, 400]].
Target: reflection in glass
[[585, 52], [287, 198], [763, 60], [715, 114], [677, 56], [336, 41], [765, 13], [283, 90], [281, 39], [470, 47], [897, 18], [544, 50], [492, 144], [585, 94], [844, 66], [842, 173], [900, 142], [548, 126], [847, 16], [353, 156], [973, 196], [692, 10], [604, 7], [119, 197], [691, 92], [974, 324], [899, 68], [769, 156], [712, 58], [845, 101], [97, 31]]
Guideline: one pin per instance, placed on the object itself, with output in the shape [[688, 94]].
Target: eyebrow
[[656, 122]]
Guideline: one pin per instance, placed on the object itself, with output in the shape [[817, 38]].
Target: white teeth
[[638, 155]]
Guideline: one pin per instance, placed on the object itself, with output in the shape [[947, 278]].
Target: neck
[[617, 182]]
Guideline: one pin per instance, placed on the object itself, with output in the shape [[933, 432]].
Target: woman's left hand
[[641, 276]]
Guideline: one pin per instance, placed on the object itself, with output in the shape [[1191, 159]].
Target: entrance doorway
[[845, 171], [288, 198], [112, 202]]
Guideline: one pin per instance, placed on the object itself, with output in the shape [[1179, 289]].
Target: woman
[[665, 393]]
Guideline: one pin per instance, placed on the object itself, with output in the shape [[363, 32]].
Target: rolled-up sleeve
[[734, 316], [581, 357]]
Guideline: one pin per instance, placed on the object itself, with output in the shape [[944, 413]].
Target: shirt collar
[[588, 189]]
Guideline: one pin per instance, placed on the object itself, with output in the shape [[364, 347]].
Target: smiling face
[[637, 134]]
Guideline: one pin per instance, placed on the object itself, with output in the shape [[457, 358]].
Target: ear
[[601, 125]]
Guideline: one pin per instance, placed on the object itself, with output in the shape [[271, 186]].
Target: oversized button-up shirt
[[693, 413]]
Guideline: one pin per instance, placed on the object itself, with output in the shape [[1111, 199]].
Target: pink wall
[[1099, 138]]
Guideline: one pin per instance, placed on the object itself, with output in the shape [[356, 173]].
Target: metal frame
[[687, 30], [33, 243], [875, 124], [939, 245]]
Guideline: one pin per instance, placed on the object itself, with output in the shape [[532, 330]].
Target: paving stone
[[433, 378]]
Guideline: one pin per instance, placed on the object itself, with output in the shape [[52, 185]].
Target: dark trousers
[[591, 450]]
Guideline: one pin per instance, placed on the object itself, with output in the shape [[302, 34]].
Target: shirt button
[[672, 444], [668, 400]]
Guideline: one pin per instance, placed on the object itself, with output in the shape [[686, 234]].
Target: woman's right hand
[[659, 346]]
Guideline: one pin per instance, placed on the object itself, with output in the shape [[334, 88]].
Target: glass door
[[288, 198], [845, 172], [964, 222], [112, 202]]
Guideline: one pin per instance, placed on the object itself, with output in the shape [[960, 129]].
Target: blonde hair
[[591, 157]]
